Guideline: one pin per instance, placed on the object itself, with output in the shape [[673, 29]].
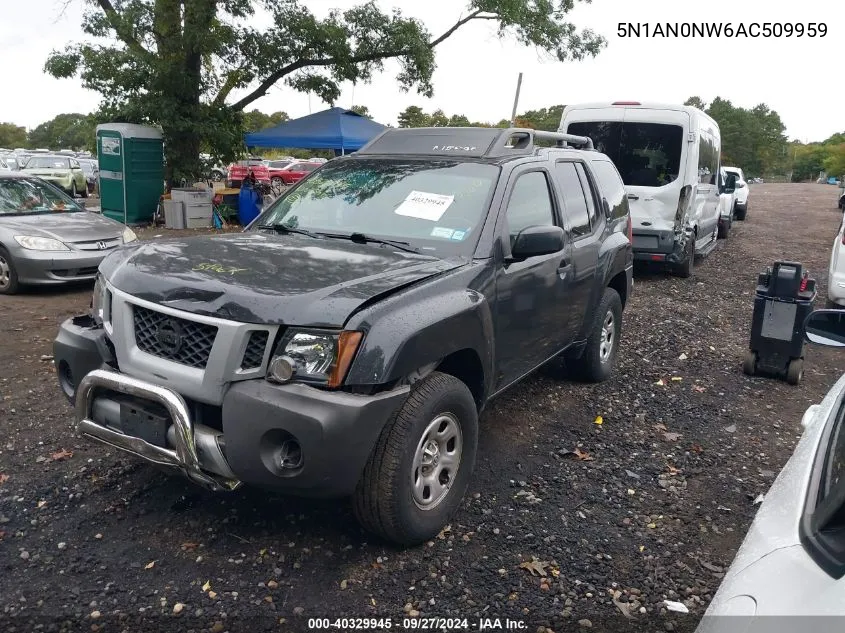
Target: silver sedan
[[47, 238]]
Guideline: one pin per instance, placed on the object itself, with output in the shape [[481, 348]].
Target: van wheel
[[724, 230], [684, 268], [741, 212], [420, 468], [595, 364]]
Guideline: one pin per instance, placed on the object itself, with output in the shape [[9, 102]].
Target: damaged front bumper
[[292, 438]]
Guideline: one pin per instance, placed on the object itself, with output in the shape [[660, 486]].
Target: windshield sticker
[[459, 235], [425, 206], [439, 231]]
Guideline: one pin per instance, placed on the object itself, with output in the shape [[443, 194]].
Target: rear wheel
[[420, 468], [85, 190], [749, 365], [73, 189], [724, 230], [684, 268], [8, 274], [795, 371], [740, 212], [595, 363]]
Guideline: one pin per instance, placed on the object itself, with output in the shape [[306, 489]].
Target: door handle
[[563, 268]]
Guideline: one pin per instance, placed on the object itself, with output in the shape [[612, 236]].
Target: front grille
[[75, 272], [254, 353], [98, 245], [182, 341]]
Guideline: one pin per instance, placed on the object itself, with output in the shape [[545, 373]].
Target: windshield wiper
[[362, 238], [284, 228]]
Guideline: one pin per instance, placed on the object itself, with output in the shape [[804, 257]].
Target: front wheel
[[8, 274], [420, 468], [724, 230], [596, 362], [73, 189], [741, 212]]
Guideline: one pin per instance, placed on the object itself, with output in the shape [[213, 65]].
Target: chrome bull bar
[[183, 459]]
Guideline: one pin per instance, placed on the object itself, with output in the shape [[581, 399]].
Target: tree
[[547, 119], [255, 120], [179, 63], [66, 131], [834, 163], [12, 136], [413, 116], [459, 120], [696, 102], [438, 119], [808, 162], [362, 110]]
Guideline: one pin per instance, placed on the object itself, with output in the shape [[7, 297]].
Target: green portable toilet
[[131, 159]]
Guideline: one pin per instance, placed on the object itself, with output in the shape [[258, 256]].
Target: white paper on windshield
[[425, 206]]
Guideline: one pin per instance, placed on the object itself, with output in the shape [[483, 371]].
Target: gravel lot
[[649, 505]]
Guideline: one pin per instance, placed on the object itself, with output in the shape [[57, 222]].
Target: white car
[[727, 202], [792, 560], [836, 270], [741, 192]]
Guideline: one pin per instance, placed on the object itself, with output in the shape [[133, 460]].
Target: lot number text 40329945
[[720, 29]]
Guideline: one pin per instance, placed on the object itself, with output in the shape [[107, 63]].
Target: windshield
[[436, 206], [46, 162], [646, 154], [735, 172], [28, 195]]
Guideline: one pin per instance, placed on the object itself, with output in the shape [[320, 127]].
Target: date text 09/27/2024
[[416, 624]]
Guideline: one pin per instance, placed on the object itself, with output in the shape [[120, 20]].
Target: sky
[[477, 70]]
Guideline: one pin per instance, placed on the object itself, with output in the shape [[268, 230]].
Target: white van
[[669, 159]]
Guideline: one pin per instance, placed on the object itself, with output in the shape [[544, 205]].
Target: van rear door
[[649, 148]]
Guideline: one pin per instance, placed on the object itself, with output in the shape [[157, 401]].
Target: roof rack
[[467, 142]]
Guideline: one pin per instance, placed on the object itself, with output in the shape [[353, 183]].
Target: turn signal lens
[[347, 345]]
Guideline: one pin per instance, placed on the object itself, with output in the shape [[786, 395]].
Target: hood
[[267, 279], [76, 226]]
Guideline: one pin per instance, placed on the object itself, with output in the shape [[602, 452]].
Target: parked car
[[671, 181], [277, 166], [295, 172], [91, 168], [836, 270], [345, 343], [792, 561], [238, 172], [48, 238], [841, 203], [727, 202], [741, 192], [62, 171], [4, 166]]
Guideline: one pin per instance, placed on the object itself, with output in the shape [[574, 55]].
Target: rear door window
[[646, 154], [574, 199]]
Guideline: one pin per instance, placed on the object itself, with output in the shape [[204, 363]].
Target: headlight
[[34, 243], [314, 356], [129, 235], [98, 299]]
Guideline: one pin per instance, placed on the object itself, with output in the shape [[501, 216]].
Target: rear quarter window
[[611, 187]]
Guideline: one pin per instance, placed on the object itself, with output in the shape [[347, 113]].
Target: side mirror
[[826, 327], [537, 240]]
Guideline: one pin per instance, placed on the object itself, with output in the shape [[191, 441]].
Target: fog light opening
[[290, 455], [66, 380], [280, 370]]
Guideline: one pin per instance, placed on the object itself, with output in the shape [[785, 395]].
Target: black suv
[[345, 343]]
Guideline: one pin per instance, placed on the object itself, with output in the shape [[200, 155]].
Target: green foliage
[[751, 139], [66, 131], [547, 119], [543, 119], [255, 120], [12, 136], [362, 110], [834, 162], [178, 63], [808, 161]]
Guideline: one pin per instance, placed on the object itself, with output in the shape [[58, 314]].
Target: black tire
[[684, 269], [384, 500], [8, 275], [73, 191], [724, 230], [795, 371], [84, 193], [749, 364], [741, 212], [596, 362]]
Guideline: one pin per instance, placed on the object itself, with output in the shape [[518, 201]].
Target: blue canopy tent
[[336, 128]]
